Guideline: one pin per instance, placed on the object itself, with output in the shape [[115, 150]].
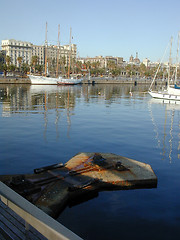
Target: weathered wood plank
[[7, 232], [13, 226]]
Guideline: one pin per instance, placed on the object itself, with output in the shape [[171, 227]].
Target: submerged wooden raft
[[52, 188]]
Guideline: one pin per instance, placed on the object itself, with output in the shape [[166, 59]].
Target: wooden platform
[[13, 227]]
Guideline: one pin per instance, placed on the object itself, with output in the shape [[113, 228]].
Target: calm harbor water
[[43, 125]]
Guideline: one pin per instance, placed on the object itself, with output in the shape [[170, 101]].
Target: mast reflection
[[164, 133]]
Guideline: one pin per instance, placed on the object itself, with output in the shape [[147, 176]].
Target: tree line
[[127, 70], [77, 67]]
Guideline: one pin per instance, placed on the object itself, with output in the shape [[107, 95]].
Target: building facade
[[15, 49], [134, 61], [102, 61], [27, 50], [39, 51]]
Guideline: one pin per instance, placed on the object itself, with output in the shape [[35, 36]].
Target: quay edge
[[96, 80], [15, 80]]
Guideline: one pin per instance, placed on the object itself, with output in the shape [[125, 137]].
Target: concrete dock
[[14, 80]]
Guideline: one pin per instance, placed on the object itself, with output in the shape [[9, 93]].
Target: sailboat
[[172, 92], [69, 80], [43, 80], [46, 80]]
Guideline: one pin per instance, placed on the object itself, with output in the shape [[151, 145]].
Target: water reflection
[[164, 125], [37, 98], [62, 100], [35, 121]]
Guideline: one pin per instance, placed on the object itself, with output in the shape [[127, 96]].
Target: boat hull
[[66, 81], [41, 80], [174, 91], [165, 95]]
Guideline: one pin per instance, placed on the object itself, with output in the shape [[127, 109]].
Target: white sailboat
[[46, 80], [69, 80], [43, 80], [172, 92]]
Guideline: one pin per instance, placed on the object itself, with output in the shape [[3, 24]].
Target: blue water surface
[[43, 125]]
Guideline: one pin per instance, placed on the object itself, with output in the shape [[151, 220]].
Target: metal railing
[[39, 220]]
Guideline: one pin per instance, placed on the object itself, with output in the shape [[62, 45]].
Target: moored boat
[[165, 95], [42, 80], [58, 80], [68, 81], [172, 92]]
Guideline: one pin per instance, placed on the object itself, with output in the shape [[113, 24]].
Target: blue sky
[[99, 27]]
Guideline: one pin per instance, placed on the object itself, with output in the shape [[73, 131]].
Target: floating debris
[[52, 187]]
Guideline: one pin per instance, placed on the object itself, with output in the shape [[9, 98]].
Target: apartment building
[[26, 50], [68, 51], [15, 49], [91, 60], [39, 51]]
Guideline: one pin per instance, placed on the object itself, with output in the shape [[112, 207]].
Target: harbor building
[[101, 61], [146, 62], [39, 52], [14, 49], [26, 50]]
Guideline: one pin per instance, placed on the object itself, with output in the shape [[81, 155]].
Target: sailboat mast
[[57, 67], [177, 57], [170, 62], [69, 53], [46, 51]]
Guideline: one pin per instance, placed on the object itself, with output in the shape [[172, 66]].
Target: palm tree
[[12, 68], [111, 64], [19, 59], [8, 60], [128, 70], [88, 65], [63, 64], [78, 67], [2, 60], [34, 61], [39, 68], [24, 68], [5, 69]]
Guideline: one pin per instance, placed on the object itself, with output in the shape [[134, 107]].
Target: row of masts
[[170, 63], [57, 67], [177, 60], [58, 53], [170, 59]]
